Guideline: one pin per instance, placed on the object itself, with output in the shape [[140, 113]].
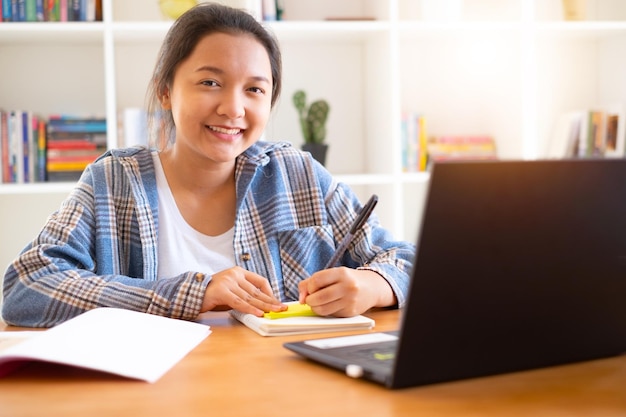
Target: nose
[[232, 105]]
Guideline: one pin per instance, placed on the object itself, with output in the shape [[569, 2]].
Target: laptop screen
[[519, 265]]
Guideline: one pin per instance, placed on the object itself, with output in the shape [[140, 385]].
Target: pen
[[358, 223]]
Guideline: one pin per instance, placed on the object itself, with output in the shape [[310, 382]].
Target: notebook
[[117, 341], [519, 265], [300, 319]]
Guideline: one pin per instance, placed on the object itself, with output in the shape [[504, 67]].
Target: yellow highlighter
[[293, 310]]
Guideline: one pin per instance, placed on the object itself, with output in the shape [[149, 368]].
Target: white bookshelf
[[507, 68]]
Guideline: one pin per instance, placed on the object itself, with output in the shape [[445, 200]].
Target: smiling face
[[220, 97]]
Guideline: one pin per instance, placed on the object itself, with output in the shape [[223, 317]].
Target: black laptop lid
[[520, 264]]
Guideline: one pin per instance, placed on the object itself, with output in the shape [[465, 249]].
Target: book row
[[591, 133], [33, 149], [50, 10], [419, 150]]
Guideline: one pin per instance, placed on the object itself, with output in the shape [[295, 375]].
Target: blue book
[[6, 11], [20, 11], [39, 11], [26, 140], [73, 12], [77, 125], [14, 14]]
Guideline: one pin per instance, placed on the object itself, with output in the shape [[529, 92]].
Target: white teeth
[[225, 131]]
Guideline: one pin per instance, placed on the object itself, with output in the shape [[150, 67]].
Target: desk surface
[[235, 372]]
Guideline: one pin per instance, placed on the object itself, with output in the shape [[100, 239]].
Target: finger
[[260, 283], [242, 290], [243, 301], [331, 308], [259, 303], [303, 291], [259, 297], [320, 280], [323, 297]]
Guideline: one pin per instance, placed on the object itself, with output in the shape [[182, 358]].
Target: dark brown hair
[[185, 33]]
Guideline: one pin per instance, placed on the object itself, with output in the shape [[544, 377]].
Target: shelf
[[355, 179], [51, 32], [384, 179], [455, 27], [91, 32], [328, 30], [37, 188], [581, 30]]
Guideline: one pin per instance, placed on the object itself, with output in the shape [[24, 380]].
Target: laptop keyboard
[[376, 354]]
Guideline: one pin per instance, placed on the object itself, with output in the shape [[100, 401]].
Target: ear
[[164, 98]]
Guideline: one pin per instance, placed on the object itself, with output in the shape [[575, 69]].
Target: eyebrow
[[217, 70]]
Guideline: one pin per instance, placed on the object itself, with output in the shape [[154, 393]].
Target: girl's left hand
[[345, 292]]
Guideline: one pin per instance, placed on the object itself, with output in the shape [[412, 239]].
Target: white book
[[269, 10], [16, 145], [135, 131], [306, 324], [117, 341], [566, 135]]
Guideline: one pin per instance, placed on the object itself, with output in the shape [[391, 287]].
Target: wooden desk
[[235, 372]]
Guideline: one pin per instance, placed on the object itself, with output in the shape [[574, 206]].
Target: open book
[[300, 320], [122, 342]]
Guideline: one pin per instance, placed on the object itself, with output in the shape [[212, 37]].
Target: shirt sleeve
[[80, 261]]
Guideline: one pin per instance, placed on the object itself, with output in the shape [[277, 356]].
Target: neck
[[196, 175], [200, 188]]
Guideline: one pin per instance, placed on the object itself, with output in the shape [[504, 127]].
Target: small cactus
[[312, 118]]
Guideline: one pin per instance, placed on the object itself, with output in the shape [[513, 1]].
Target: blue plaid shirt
[[100, 248]]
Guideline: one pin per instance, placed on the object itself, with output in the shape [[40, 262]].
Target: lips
[[225, 131]]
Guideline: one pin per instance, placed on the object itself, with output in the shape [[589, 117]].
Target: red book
[[71, 144]]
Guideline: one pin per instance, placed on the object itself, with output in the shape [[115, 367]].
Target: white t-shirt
[[181, 247]]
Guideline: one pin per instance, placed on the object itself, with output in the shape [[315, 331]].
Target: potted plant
[[313, 124]]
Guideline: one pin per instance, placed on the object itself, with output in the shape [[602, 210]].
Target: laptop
[[519, 265]]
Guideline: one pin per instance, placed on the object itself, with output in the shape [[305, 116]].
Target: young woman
[[211, 218]]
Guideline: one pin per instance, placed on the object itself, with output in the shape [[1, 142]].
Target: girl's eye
[[257, 90], [209, 83]]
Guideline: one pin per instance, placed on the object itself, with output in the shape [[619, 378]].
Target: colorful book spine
[[4, 137], [14, 12], [414, 139], [63, 124], [27, 134], [478, 147], [72, 144], [41, 150], [28, 153], [30, 10], [50, 10], [73, 10], [20, 11], [54, 14], [63, 12], [16, 147], [67, 165], [422, 158], [6, 11], [2, 122], [39, 11]]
